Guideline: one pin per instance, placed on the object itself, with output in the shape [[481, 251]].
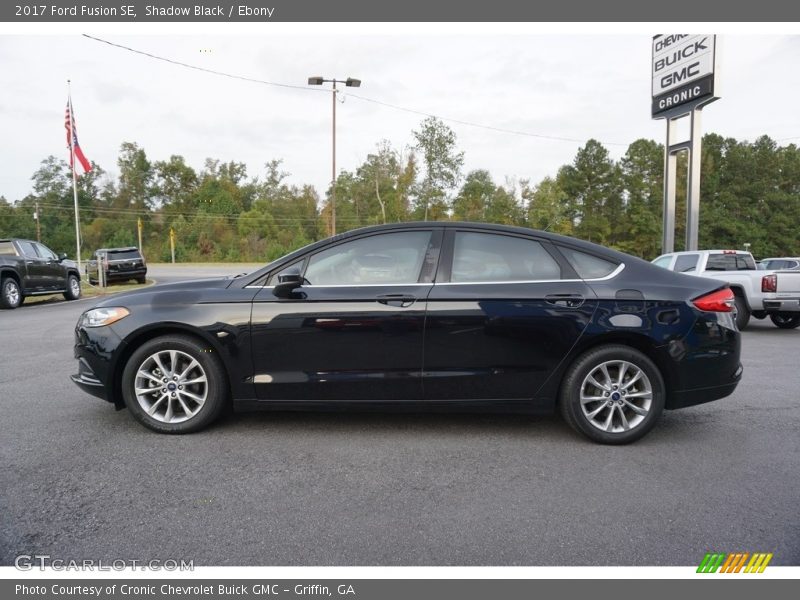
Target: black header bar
[[247, 11]]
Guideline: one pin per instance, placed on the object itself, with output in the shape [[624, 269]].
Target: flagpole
[[74, 176]]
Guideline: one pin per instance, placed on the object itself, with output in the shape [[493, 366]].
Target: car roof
[[576, 243], [125, 249]]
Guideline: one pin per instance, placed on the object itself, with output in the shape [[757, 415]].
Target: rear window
[[588, 266], [7, 248], [730, 262], [124, 255], [686, 263]]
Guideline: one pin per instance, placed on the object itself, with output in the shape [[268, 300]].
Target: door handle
[[401, 300], [565, 300]]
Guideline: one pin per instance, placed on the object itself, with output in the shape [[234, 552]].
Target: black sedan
[[460, 315]]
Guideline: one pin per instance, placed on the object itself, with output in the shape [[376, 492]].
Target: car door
[[53, 272], [354, 330], [505, 310], [35, 279]]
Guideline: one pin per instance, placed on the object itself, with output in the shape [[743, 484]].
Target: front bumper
[[96, 349], [86, 379]]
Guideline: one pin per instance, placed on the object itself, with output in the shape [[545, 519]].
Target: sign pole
[[693, 187]]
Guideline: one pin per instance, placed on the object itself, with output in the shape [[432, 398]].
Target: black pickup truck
[[29, 268]]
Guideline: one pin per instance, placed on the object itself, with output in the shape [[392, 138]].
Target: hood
[[193, 288]]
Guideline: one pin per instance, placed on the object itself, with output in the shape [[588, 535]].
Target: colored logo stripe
[[733, 562]]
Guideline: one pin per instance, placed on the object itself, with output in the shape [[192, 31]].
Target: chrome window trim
[[611, 275]]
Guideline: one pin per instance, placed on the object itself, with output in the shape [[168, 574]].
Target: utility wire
[[203, 69], [356, 96], [478, 125]]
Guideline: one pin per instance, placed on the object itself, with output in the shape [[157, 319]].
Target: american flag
[[70, 126]]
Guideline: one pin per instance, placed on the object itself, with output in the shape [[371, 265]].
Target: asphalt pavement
[[79, 480]]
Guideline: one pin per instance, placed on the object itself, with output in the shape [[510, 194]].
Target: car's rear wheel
[[73, 288], [786, 320], [174, 384], [10, 293], [741, 312], [612, 394]]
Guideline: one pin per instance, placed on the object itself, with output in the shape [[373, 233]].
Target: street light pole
[[349, 82], [333, 165]]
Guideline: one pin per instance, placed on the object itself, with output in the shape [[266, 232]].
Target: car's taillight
[[719, 301], [769, 283]]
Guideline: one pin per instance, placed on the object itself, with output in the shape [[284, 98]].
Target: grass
[[89, 291]]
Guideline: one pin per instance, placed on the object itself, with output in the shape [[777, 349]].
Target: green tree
[[548, 208], [642, 172], [441, 163], [591, 184]]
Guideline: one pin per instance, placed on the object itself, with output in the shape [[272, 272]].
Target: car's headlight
[[99, 317]]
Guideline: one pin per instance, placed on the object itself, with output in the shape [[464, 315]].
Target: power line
[[203, 69], [478, 125], [356, 96]]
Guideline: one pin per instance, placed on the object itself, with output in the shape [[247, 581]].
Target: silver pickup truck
[[760, 294]]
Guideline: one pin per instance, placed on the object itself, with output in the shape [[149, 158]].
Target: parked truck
[[758, 293], [29, 268]]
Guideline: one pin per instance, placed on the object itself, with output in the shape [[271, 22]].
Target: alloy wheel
[[171, 386], [616, 396]]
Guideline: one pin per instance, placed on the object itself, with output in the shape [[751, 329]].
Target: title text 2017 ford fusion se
[[422, 314]]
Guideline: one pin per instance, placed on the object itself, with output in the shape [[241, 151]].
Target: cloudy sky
[[575, 86]]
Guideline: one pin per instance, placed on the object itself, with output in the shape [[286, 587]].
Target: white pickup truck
[[757, 293]]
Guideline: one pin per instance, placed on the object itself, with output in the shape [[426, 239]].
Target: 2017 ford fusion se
[[422, 314]]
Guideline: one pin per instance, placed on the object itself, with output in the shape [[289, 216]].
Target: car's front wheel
[[786, 320], [612, 394], [174, 384], [73, 288], [10, 294]]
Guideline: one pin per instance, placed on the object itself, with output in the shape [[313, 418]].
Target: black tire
[[210, 366], [141, 280], [786, 320], [73, 288], [10, 293], [742, 312], [576, 377]]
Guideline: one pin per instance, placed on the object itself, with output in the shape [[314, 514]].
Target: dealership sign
[[682, 70]]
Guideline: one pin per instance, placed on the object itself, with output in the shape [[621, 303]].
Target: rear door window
[[7, 249], [28, 249], [488, 257]]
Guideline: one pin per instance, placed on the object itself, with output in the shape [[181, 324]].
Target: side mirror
[[287, 283], [61, 257]]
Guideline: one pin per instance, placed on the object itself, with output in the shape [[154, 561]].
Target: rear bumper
[[125, 275], [774, 305], [684, 398]]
